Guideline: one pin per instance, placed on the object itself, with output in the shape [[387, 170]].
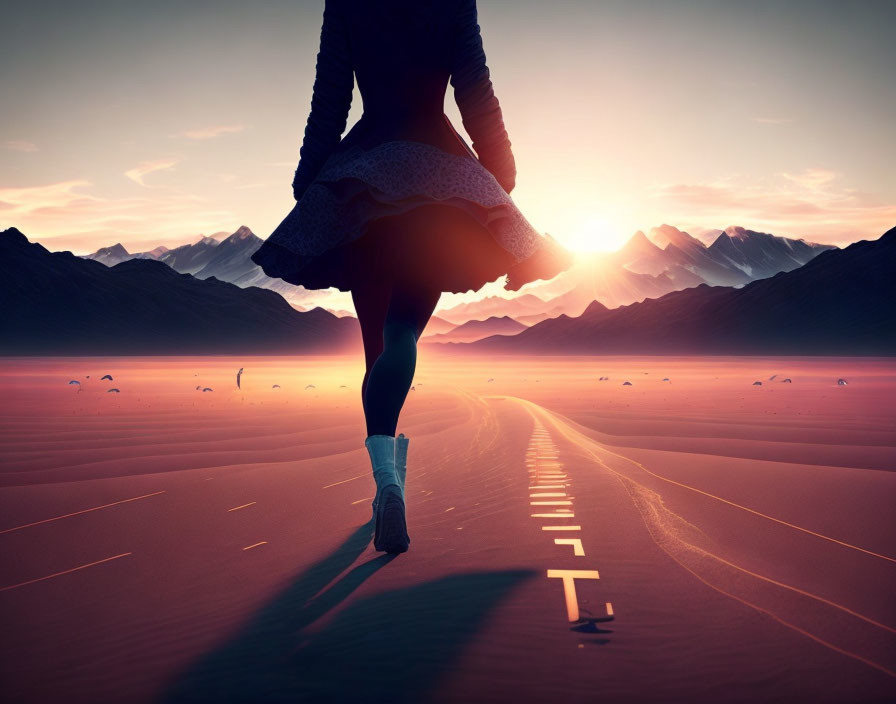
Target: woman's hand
[[502, 166], [507, 184], [300, 184]]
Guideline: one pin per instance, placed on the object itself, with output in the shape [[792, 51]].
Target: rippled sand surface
[[699, 539]]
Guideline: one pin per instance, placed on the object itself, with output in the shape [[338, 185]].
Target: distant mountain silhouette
[[759, 254], [707, 235], [841, 302], [680, 250], [227, 259], [736, 256], [190, 258], [641, 255], [436, 326], [117, 253], [667, 259], [474, 330], [57, 303], [599, 277], [153, 253], [648, 266], [110, 256], [529, 320], [493, 305]]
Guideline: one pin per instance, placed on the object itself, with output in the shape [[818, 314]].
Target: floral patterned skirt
[[404, 208]]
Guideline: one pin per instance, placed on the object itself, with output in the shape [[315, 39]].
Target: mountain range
[[226, 259], [840, 302], [667, 259], [517, 307], [649, 265], [110, 256], [58, 303], [473, 330], [837, 302]]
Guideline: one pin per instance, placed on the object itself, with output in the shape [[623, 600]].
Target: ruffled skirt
[[405, 208]]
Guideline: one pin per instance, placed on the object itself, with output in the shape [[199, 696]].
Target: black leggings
[[393, 311]]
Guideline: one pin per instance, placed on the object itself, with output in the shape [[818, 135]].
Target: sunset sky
[[154, 122]]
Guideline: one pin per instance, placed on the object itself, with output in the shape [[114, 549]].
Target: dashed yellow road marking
[[58, 574], [344, 481], [576, 543], [76, 513], [561, 527], [569, 578], [546, 472], [237, 508], [582, 441]]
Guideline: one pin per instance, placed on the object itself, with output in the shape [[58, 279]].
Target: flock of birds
[[628, 383], [112, 390], [200, 387], [788, 380], [239, 375]]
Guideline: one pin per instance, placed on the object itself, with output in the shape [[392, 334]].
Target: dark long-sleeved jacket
[[403, 54]]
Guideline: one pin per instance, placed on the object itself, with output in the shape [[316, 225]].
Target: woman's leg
[[410, 306], [371, 303]]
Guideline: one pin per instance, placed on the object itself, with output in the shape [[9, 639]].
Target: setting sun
[[597, 234]]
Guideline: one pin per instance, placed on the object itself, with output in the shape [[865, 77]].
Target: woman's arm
[[476, 99], [330, 101]]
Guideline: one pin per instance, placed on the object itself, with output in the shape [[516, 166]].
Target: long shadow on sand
[[390, 647]]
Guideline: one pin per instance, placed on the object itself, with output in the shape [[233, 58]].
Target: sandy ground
[[714, 540]]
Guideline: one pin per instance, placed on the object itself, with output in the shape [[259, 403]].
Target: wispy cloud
[[67, 215], [210, 131], [231, 179], [147, 167], [20, 145], [26, 201], [812, 179], [812, 204], [772, 120]]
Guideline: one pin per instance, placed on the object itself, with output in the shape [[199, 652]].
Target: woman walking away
[[401, 209]]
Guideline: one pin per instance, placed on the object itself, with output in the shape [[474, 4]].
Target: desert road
[[218, 549]]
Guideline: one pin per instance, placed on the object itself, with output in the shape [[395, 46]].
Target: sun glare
[[597, 234]]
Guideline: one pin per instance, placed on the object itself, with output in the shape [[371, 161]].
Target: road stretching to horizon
[[695, 540]]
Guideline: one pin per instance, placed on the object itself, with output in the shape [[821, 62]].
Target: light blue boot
[[401, 465], [390, 534]]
